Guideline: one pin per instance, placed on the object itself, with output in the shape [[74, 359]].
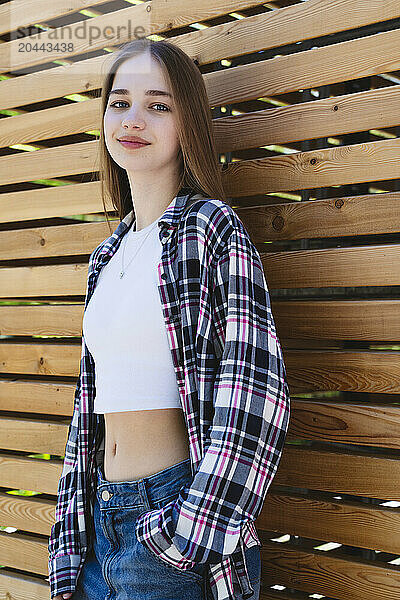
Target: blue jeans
[[118, 567]]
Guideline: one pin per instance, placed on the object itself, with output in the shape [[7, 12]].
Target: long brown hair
[[199, 170]]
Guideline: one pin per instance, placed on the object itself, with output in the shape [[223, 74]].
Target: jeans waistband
[[147, 490]]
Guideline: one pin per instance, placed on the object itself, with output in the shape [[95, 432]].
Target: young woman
[[182, 405]]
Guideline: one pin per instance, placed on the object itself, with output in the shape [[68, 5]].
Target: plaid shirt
[[233, 390]]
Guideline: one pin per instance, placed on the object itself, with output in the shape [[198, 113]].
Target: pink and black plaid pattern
[[234, 393]]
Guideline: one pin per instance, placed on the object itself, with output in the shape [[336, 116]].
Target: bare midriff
[[142, 442]]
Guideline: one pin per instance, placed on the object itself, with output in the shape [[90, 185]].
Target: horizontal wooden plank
[[360, 424], [83, 76], [24, 552], [336, 319], [28, 513], [41, 397], [324, 573], [32, 435], [343, 370], [28, 473], [49, 320], [343, 522], [244, 36], [17, 585], [76, 117], [332, 116], [42, 242], [30, 166], [47, 202], [308, 120], [40, 359], [340, 471], [26, 282], [333, 267], [346, 215], [21, 13], [356, 163]]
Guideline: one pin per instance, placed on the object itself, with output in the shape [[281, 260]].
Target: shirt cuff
[[63, 573]]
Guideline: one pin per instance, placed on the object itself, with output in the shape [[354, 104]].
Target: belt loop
[[143, 493]]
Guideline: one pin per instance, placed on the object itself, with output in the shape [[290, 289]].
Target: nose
[[133, 118]]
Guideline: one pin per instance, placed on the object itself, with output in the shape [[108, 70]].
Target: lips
[[133, 145], [133, 139]]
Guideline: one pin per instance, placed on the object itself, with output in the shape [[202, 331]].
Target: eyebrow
[[125, 92]]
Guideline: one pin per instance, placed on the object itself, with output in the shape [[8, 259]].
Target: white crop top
[[124, 330]]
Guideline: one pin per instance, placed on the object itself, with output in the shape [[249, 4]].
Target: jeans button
[[105, 494]]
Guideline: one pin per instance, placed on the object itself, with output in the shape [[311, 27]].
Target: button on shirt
[[232, 383]]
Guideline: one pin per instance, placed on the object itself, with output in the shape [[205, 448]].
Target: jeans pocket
[[195, 574]]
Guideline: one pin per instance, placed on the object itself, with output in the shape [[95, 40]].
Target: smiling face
[[143, 107]]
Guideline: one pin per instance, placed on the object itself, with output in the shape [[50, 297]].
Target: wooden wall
[[305, 98]]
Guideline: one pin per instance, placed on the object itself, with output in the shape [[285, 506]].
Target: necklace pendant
[[121, 274]]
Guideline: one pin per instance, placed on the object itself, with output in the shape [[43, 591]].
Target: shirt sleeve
[[63, 544], [250, 422], [64, 555]]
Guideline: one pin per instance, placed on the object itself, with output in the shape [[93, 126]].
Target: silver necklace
[[122, 272]]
